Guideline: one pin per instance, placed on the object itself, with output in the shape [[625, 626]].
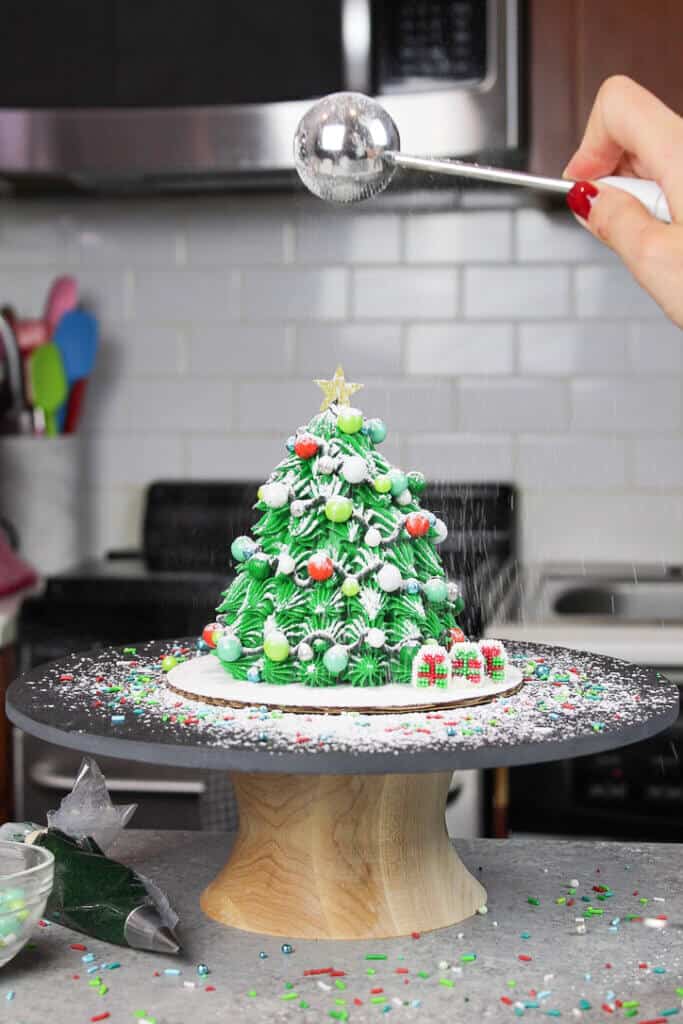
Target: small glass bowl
[[26, 877]]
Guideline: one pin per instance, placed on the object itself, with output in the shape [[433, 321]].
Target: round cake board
[[208, 680]]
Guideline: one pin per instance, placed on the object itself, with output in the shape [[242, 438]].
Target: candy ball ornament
[[440, 531], [382, 484], [377, 431], [404, 498], [350, 587], [338, 510], [320, 566], [297, 509], [290, 442], [411, 586], [304, 652], [453, 591], [436, 590], [242, 548], [399, 481], [375, 638], [373, 538], [229, 647], [389, 578], [254, 674], [285, 564], [306, 446], [416, 482], [210, 634], [417, 524], [275, 495], [258, 567], [326, 465], [349, 420], [354, 469], [276, 646], [335, 660]]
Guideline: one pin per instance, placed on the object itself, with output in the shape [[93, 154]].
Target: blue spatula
[[76, 338]]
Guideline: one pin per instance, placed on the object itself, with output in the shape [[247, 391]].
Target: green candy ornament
[[416, 483], [377, 431], [382, 484], [350, 587], [276, 646], [335, 660], [338, 509], [436, 590], [399, 481], [349, 420], [258, 567], [229, 648]]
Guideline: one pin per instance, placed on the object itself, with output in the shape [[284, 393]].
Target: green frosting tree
[[341, 582]]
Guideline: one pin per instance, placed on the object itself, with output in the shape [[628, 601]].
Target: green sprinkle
[[340, 1002], [446, 982], [289, 984], [303, 1005], [340, 984], [468, 958], [534, 901], [642, 900], [511, 984], [632, 1012], [103, 990], [251, 993], [561, 899], [679, 992], [375, 956], [339, 1014], [95, 983], [423, 974], [378, 999], [289, 995], [370, 971], [630, 1004]]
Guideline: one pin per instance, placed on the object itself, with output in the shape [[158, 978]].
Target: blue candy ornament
[[229, 647], [377, 429], [242, 548]]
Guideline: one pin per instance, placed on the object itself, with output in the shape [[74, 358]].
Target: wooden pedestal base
[[342, 857]]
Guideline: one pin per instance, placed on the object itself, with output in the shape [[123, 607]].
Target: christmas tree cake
[[341, 582]]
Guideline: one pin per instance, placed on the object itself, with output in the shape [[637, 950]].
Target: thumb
[[621, 222]]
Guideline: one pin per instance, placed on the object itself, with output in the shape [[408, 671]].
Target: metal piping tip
[[144, 930]]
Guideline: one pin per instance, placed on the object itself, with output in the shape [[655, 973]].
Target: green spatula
[[49, 386]]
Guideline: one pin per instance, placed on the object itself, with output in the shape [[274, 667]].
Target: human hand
[[631, 132]]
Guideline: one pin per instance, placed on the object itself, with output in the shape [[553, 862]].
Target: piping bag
[[92, 893]]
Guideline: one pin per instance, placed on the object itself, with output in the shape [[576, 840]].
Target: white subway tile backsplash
[[611, 291], [463, 457], [516, 292], [560, 463], [295, 294], [115, 461], [148, 406], [33, 235], [236, 350], [130, 350], [124, 234], [186, 296], [644, 405], [221, 233], [659, 462], [556, 348], [544, 236], [460, 348], [277, 407], [477, 237], [360, 348], [343, 237], [233, 458], [409, 406], [511, 405], [655, 347], [404, 294]]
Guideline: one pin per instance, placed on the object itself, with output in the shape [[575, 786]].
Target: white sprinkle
[[483, 910], [443, 965], [324, 987], [574, 883], [189, 984]]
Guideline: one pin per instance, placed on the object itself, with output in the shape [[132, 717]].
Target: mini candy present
[[495, 658], [431, 666], [466, 660]]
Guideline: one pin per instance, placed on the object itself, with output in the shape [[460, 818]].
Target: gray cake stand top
[[115, 703]]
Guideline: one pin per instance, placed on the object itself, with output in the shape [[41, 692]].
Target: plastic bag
[[88, 811]]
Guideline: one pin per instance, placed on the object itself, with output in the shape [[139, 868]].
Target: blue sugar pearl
[[253, 674], [411, 587], [263, 955], [202, 646], [202, 970], [290, 442], [451, 731], [286, 948]]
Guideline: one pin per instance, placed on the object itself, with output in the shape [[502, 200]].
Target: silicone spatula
[[76, 339], [61, 299], [48, 383]]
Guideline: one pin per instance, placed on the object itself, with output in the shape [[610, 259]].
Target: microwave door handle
[[356, 33]]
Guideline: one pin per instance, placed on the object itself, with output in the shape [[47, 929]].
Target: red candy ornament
[[209, 633], [417, 524], [305, 446], [320, 566]]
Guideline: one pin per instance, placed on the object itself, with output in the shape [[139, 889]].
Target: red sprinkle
[[643, 966], [607, 1008], [654, 1020], [570, 903], [661, 917], [79, 946], [317, 970], [599, 888], [210, 988], [525, 958], [336, 974], [357, 1001], [376, 991], [402, 970], [66, 678], [506, 1000], [608, 966], [100, 1016], [415, 935], [75, 977]]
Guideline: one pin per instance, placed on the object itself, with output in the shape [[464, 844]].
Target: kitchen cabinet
[[574, 47], [6, 676]]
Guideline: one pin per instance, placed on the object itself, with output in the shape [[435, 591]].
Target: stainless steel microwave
[[174, 94]]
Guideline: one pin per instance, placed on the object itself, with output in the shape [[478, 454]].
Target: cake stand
[[341, 817]]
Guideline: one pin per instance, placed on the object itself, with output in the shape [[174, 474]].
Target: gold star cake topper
[[337, 391]]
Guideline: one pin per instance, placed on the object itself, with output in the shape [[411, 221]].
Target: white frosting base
[[207, 677]]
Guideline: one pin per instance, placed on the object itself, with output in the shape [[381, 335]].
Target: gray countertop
[[579, 972]]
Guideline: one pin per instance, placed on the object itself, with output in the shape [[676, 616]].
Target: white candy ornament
[[373, 538], [326, 464], [275, 495], [285, 564], [304, 651], [354, 469], [297, 509], [389, 578], [404, 498], [453, 591], [375, 637], [441, 531]]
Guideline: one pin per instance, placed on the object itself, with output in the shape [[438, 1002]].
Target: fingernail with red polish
[[580, 196]]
